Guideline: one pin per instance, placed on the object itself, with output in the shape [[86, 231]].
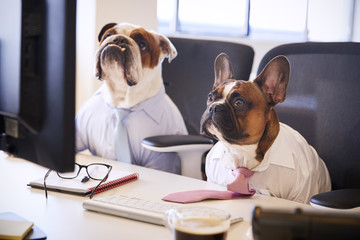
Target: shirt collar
[[150, 106], [279, 153]]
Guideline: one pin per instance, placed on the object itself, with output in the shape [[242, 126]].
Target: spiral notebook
[[76, 186]]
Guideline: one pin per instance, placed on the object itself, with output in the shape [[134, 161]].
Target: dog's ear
[[274, 79], [104, 29], [223, 69], [167, 47], [98, 70]]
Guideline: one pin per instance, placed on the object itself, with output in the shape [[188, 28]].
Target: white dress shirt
[[158, 115], [291, 168]]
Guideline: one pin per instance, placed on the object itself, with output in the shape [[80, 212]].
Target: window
[[285, 19], [294, 20], [213, 16], [331, 23]]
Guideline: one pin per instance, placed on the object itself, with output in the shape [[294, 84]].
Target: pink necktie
[[239, 188]]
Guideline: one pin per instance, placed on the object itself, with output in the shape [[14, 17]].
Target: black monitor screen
[[37, 81]]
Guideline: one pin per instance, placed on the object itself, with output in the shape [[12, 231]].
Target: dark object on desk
[[188, 81], [298, 224], [37, 81], [322, 103]]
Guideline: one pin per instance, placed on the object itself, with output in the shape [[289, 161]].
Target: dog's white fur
[[239, 155]]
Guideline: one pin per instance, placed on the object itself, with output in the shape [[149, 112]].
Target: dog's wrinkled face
[[241, 112], [126, 50], [233, 114]]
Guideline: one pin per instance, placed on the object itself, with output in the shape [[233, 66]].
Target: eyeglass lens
[[95, 171]]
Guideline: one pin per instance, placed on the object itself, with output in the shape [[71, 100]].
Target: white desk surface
[[62, 216]]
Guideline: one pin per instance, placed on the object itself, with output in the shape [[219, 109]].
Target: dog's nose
[[213, 108], [120, 40], [216, 107]]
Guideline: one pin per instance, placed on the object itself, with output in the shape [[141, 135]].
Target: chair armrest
[[339, 199], [190, 149], [177, 143]]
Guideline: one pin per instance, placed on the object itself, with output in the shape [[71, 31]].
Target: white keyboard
[[134, 208]]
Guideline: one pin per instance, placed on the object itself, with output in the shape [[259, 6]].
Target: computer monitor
[[37, 81]]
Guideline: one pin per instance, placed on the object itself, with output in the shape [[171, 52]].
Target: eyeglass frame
[[77, 174]]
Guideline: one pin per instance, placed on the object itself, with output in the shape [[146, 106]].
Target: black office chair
[[323, 104], [188, 80]]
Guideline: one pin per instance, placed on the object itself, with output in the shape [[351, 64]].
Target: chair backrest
[[189, 77], [323, 103]]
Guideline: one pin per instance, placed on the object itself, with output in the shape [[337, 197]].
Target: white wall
[[356, 34], [85, 47]]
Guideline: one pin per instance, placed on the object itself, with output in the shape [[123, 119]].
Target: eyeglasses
[[95, 171]]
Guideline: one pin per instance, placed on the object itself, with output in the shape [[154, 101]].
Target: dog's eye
[[107, 35], [239, 102], [210, 98], [142, 46]]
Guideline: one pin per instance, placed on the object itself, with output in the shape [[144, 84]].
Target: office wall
[[356, 27], [85, 47]]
